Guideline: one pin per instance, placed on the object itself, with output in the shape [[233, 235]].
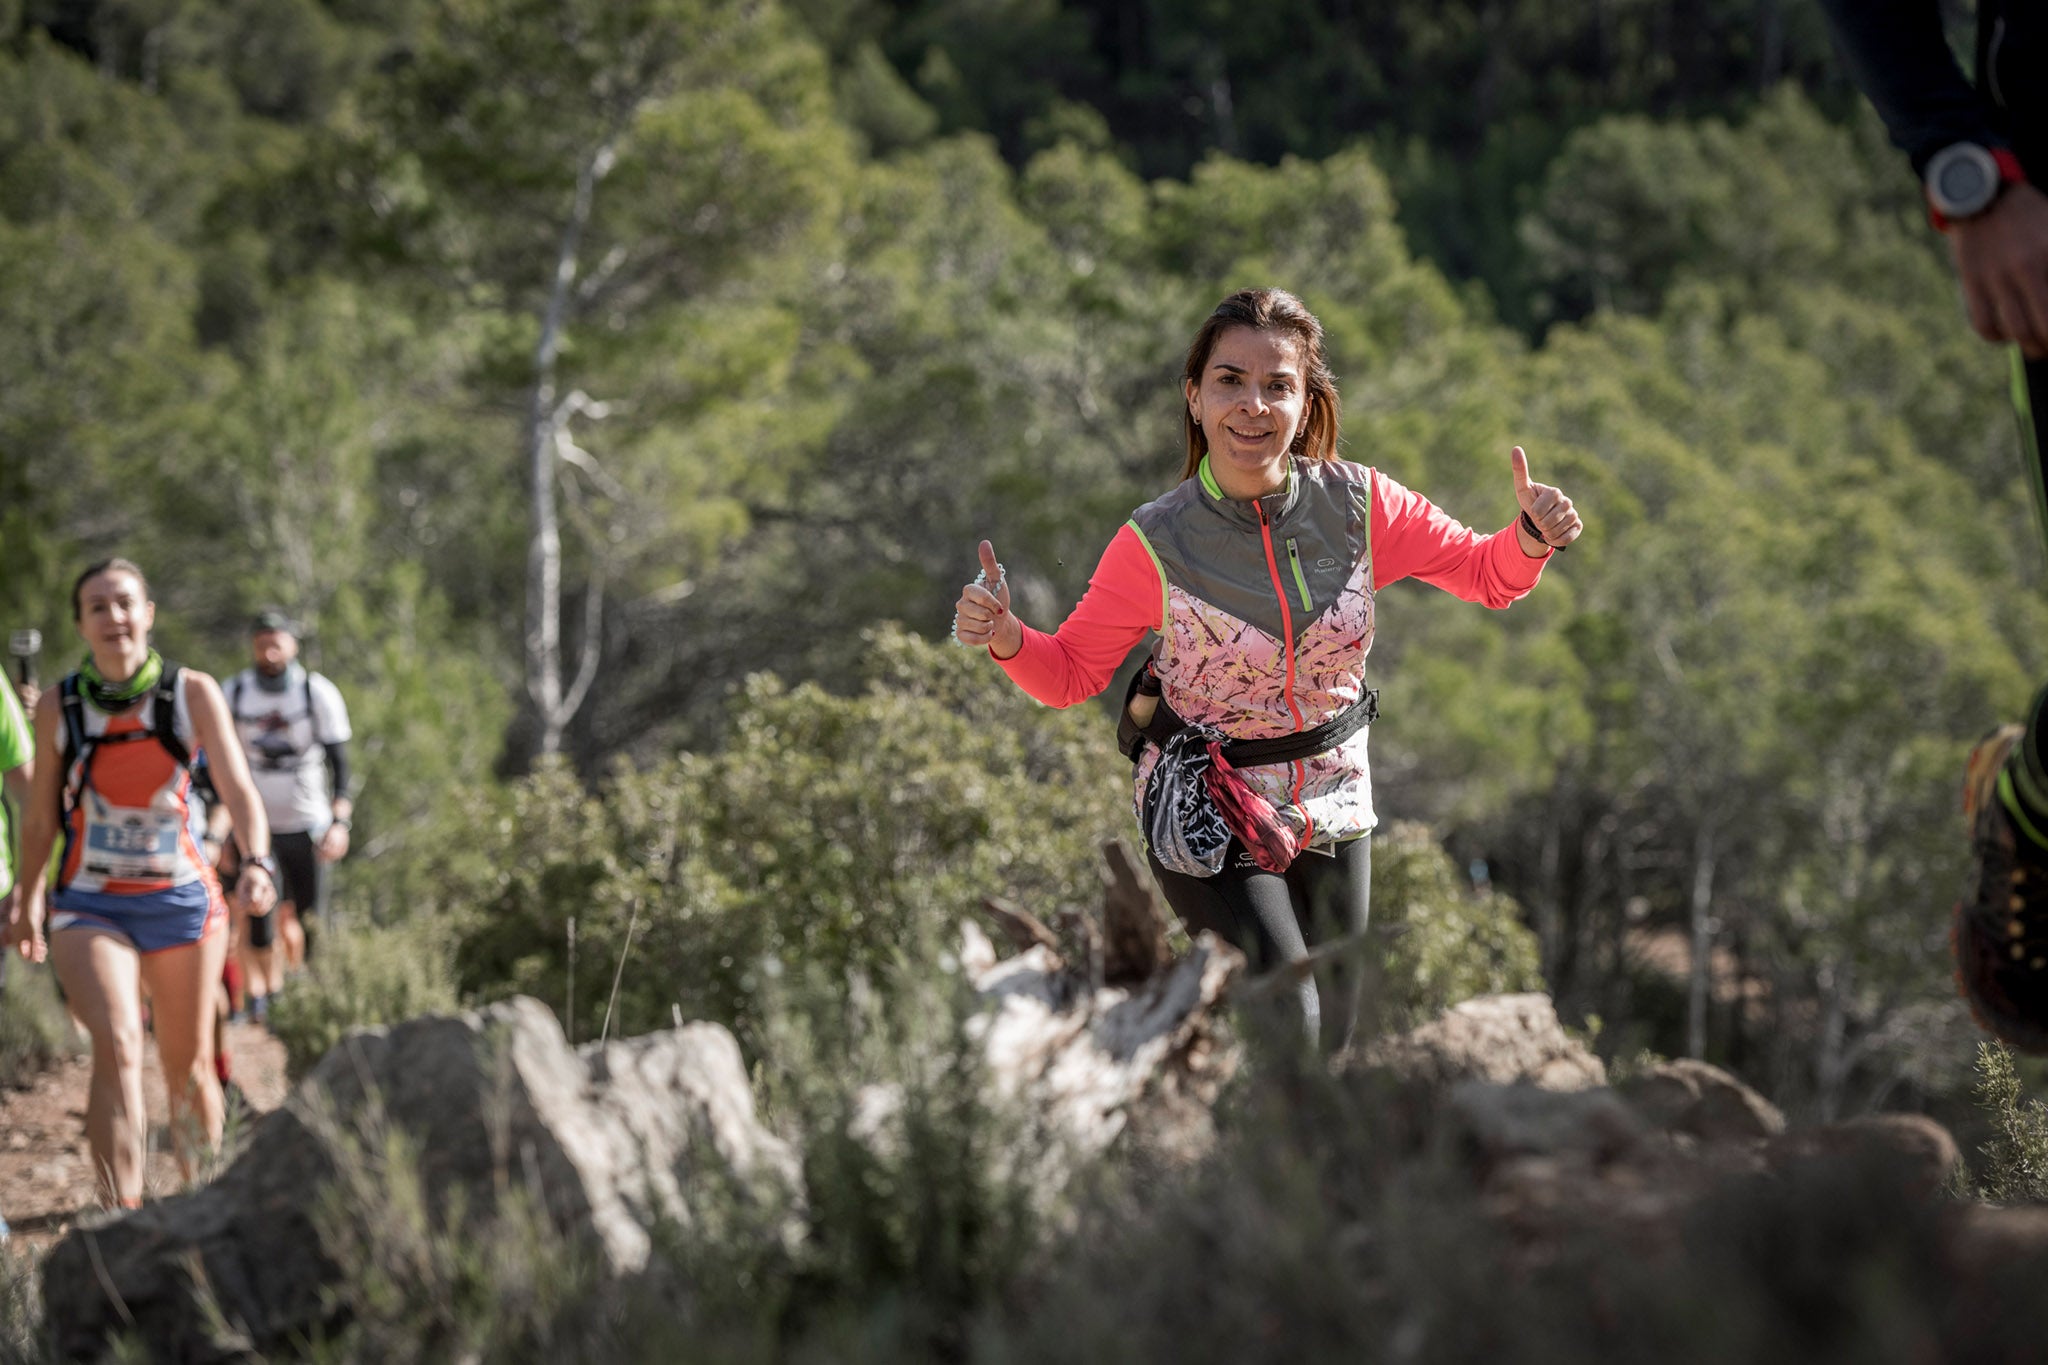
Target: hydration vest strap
[[306, 688], [165, 721], [77, 745]]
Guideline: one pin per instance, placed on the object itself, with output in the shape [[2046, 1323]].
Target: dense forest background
[[779, 308]]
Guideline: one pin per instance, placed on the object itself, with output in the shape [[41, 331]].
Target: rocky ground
[[45, 1176]]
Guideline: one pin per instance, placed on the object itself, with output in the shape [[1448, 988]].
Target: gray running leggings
[[1274, 917]]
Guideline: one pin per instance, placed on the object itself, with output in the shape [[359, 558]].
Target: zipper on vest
[[1300, 579], [1287, 644]]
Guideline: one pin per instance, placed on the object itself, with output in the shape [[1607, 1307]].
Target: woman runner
[[133, 905], [1259, 573]]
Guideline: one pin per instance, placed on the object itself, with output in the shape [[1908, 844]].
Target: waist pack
[[1195, 799]]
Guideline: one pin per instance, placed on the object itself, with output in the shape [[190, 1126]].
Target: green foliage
[[34, 1030], [2015, 1156], [1449, 943], [862, 282], [920, 1207], [428, 727], [846, 834], [1631, 206], [363, 978]]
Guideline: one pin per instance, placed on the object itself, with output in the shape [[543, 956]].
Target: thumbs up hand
[[982, 615], [1544, 508]]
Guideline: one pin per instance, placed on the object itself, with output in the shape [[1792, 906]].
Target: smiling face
[[114, 617], [1250, 402]]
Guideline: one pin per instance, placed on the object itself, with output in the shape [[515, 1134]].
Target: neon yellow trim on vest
[[1215, 489], [1368, 529], [2013, 808], [1300, 583], [1160, 568]]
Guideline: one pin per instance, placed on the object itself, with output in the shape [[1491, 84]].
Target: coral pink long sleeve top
[[1265, 611]]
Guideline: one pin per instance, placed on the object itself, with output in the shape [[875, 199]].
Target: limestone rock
[[1910, 1152], [1497, 1038], [1703, 1101], [1590, 1127], [609, 1139]]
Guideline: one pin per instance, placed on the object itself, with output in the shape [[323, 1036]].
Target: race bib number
[[133, 845]]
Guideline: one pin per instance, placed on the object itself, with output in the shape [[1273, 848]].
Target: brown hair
[[92, 571], [1269, 310]]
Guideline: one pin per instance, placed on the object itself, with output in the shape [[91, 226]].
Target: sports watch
[[1963, 178]]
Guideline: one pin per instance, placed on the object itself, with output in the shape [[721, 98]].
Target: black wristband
[[1529, 525]]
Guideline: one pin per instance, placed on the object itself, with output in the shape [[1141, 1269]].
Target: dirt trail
[[45, 1176]]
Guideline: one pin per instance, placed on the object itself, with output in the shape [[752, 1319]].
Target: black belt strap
[[1240, 753]]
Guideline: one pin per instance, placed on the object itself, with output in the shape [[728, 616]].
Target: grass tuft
[[363, 978], [34, 1031]]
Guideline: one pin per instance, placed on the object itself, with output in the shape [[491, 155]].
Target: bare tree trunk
[[1831, 1064], [1226, 113], [1702, 943], [544, 550]]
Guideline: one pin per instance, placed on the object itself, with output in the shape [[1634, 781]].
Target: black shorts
[[302, 877]]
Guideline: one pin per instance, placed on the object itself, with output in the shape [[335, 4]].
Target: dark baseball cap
[[272, 618]]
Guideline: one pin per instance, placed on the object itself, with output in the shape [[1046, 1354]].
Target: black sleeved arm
[[337, 767], [1900, 58]]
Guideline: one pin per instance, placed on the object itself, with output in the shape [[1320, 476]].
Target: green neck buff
[[114, 696]]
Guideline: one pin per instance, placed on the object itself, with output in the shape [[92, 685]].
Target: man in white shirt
[[294, 728]]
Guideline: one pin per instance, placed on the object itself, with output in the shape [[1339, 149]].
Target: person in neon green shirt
[[17, 752], [17, 766]]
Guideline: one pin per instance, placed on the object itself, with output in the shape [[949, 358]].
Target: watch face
[[1962, 180]]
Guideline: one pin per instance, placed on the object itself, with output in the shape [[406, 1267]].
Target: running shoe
[[2000, 931]]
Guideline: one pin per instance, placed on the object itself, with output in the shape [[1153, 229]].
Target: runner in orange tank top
[[133, 906]]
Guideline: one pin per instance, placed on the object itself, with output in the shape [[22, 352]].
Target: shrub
[[847, 832], [34, 1031], [363, 978], [1451, 944], [2016, 1154]]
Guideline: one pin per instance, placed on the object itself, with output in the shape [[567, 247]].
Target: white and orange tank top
[[134, 827]]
